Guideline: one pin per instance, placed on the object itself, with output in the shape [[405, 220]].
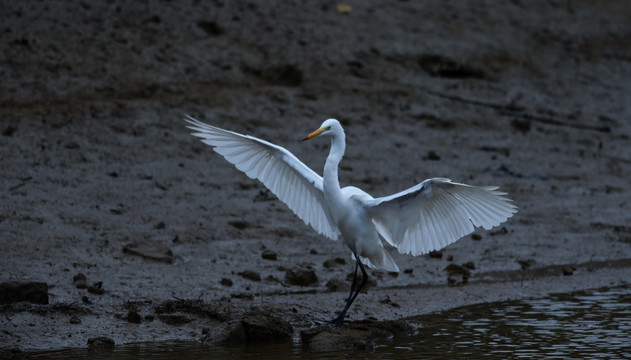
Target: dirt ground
[[98, 169]]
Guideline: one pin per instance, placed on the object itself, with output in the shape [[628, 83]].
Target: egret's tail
[[382, 261]]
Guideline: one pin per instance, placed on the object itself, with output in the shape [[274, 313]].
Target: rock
[[210, 27], [441, 66], [568, 270], [16, 291], [230, 332], [269, 255], [75, 320], [96, 288], [387, 301], [432, 155], [149, 249], [526, 264], [334, 285], [11, 353], [80, 281], [134, 317], [226, 282], [239, 224], [300, 276], [331, 263], [457, 275], [355, 335], [9, 130], [436, 254], [100, 342], [250, 275], [260, 327], [174, 319]]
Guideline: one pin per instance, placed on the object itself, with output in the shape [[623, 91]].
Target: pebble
[[100, 342], [16, 291], [134, 317], [151, 250], [269, 255], [300, 276], [250, 275], [330, 263], [80, 281]]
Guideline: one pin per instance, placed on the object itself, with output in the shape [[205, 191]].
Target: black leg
[[339, 320], [354, 281]]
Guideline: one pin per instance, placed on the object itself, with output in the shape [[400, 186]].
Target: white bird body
[[425, 217]]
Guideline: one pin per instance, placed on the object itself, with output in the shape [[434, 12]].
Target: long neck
[[331, 183]]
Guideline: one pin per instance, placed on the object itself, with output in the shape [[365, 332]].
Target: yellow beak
[[314, 134]]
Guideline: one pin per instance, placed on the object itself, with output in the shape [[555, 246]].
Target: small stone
[[226, 282], [174, 319], [476, 237], [260, 327], [100, 342], [457, 275], [432, 155], [96, 288], [269, 255], [469, 265], [230, 332], [16, 291], [436, 254], [80, 281], [134, 317], [568, 270], [331, 263], [408, 271], [300, 276], [75, 320], [250, 275], [526, 264], [334, 285], [9, 130], [151, 250]]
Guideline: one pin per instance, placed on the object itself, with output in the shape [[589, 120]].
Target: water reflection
[[589, 324], [592, 324]]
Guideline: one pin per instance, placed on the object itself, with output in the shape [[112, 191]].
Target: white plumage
[[426, 217]]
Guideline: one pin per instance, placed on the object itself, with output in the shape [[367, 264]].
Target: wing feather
[[279, 170], [436, 213]]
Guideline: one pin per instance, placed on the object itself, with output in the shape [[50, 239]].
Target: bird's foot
[[339, 320]]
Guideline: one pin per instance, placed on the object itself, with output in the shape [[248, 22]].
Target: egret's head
[[329, 127]]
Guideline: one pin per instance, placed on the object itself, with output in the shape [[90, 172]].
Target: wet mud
[[118, 227]]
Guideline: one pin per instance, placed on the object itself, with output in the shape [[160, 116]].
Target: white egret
[[425, 217]]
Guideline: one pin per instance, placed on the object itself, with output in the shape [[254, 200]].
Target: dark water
[[593, 324]]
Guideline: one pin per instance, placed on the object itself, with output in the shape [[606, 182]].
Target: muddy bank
[[100, 177]]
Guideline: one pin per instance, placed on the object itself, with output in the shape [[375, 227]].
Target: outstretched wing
[[279, 170], [436, 213]]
